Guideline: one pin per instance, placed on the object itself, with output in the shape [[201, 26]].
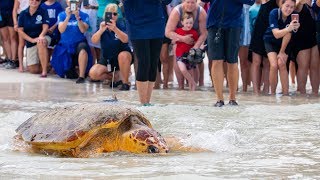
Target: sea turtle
[[87, 129]]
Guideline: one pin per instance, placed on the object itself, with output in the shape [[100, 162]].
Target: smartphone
[[85, 2], [73, 6], [295, 17], [108, 17]]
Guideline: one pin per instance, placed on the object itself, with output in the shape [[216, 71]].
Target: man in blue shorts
[[224, 25]]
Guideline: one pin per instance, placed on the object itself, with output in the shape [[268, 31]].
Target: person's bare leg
[[209, 68], [179, 76], [99, 72], [164, 58], [20, 53], [314, 70], [284, 77], [233, 78], [13, 43], [256, 72], [218, 77], [83, 61], [143, 91], [187, 74], [244, 66], [124, 60], [149, 91], [201, 73], [273, 75], [43, 56], [158, 80], [293, 72], [265, 75], [303, 60], [5, 37]]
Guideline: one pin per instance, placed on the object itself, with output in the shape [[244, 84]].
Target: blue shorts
[[223, 44]]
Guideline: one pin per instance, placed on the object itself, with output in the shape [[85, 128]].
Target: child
[[53, 8], [182, 49]]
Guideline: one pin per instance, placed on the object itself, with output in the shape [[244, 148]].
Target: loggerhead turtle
[[88, 129]]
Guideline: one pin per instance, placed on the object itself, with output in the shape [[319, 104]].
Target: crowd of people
[[99, 40]]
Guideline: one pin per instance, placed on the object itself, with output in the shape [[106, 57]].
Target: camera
[[73, 5], [107, 17]]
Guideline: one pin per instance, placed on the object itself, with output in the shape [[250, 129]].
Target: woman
[[8, 35], [259, 55], [33, 27], [115, 50], [276, 40], [304, 45], [72, 49], [174, 22], [146, 30]]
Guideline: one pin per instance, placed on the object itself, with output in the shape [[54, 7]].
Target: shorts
[[223, 44], [6, 20], [188, 65], [114, 61], [272, 47], [32, 54], [318, 32], [80, 46]]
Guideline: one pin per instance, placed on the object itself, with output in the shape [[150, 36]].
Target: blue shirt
[[145, 19], [72, 34], [32, 24], [6, 6], [226, 13], [275, 22], [53, 11], [111, 46]]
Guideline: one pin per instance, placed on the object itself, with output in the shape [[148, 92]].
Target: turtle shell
[[70, 126]]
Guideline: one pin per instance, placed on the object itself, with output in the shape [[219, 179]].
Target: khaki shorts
[[32, 53]]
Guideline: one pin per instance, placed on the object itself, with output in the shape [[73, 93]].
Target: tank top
[[196, 21]]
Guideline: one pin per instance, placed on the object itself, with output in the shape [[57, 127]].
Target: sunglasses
[[114, 13]]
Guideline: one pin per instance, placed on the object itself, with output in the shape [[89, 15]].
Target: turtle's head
[[140, 138]]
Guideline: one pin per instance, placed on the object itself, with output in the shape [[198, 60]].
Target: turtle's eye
[[153, 149]]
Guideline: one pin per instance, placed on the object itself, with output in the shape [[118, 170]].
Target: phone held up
[[73, 5], [295, 17], [107, 17]]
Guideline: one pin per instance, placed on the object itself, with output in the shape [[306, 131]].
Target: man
[[224, 25]]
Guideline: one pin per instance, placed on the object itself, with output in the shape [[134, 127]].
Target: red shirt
[[183, 47]]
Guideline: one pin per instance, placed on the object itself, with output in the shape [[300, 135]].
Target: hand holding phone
[[107, 17]]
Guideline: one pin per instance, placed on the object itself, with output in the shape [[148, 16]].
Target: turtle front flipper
[[92, 149], [95, 146]]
